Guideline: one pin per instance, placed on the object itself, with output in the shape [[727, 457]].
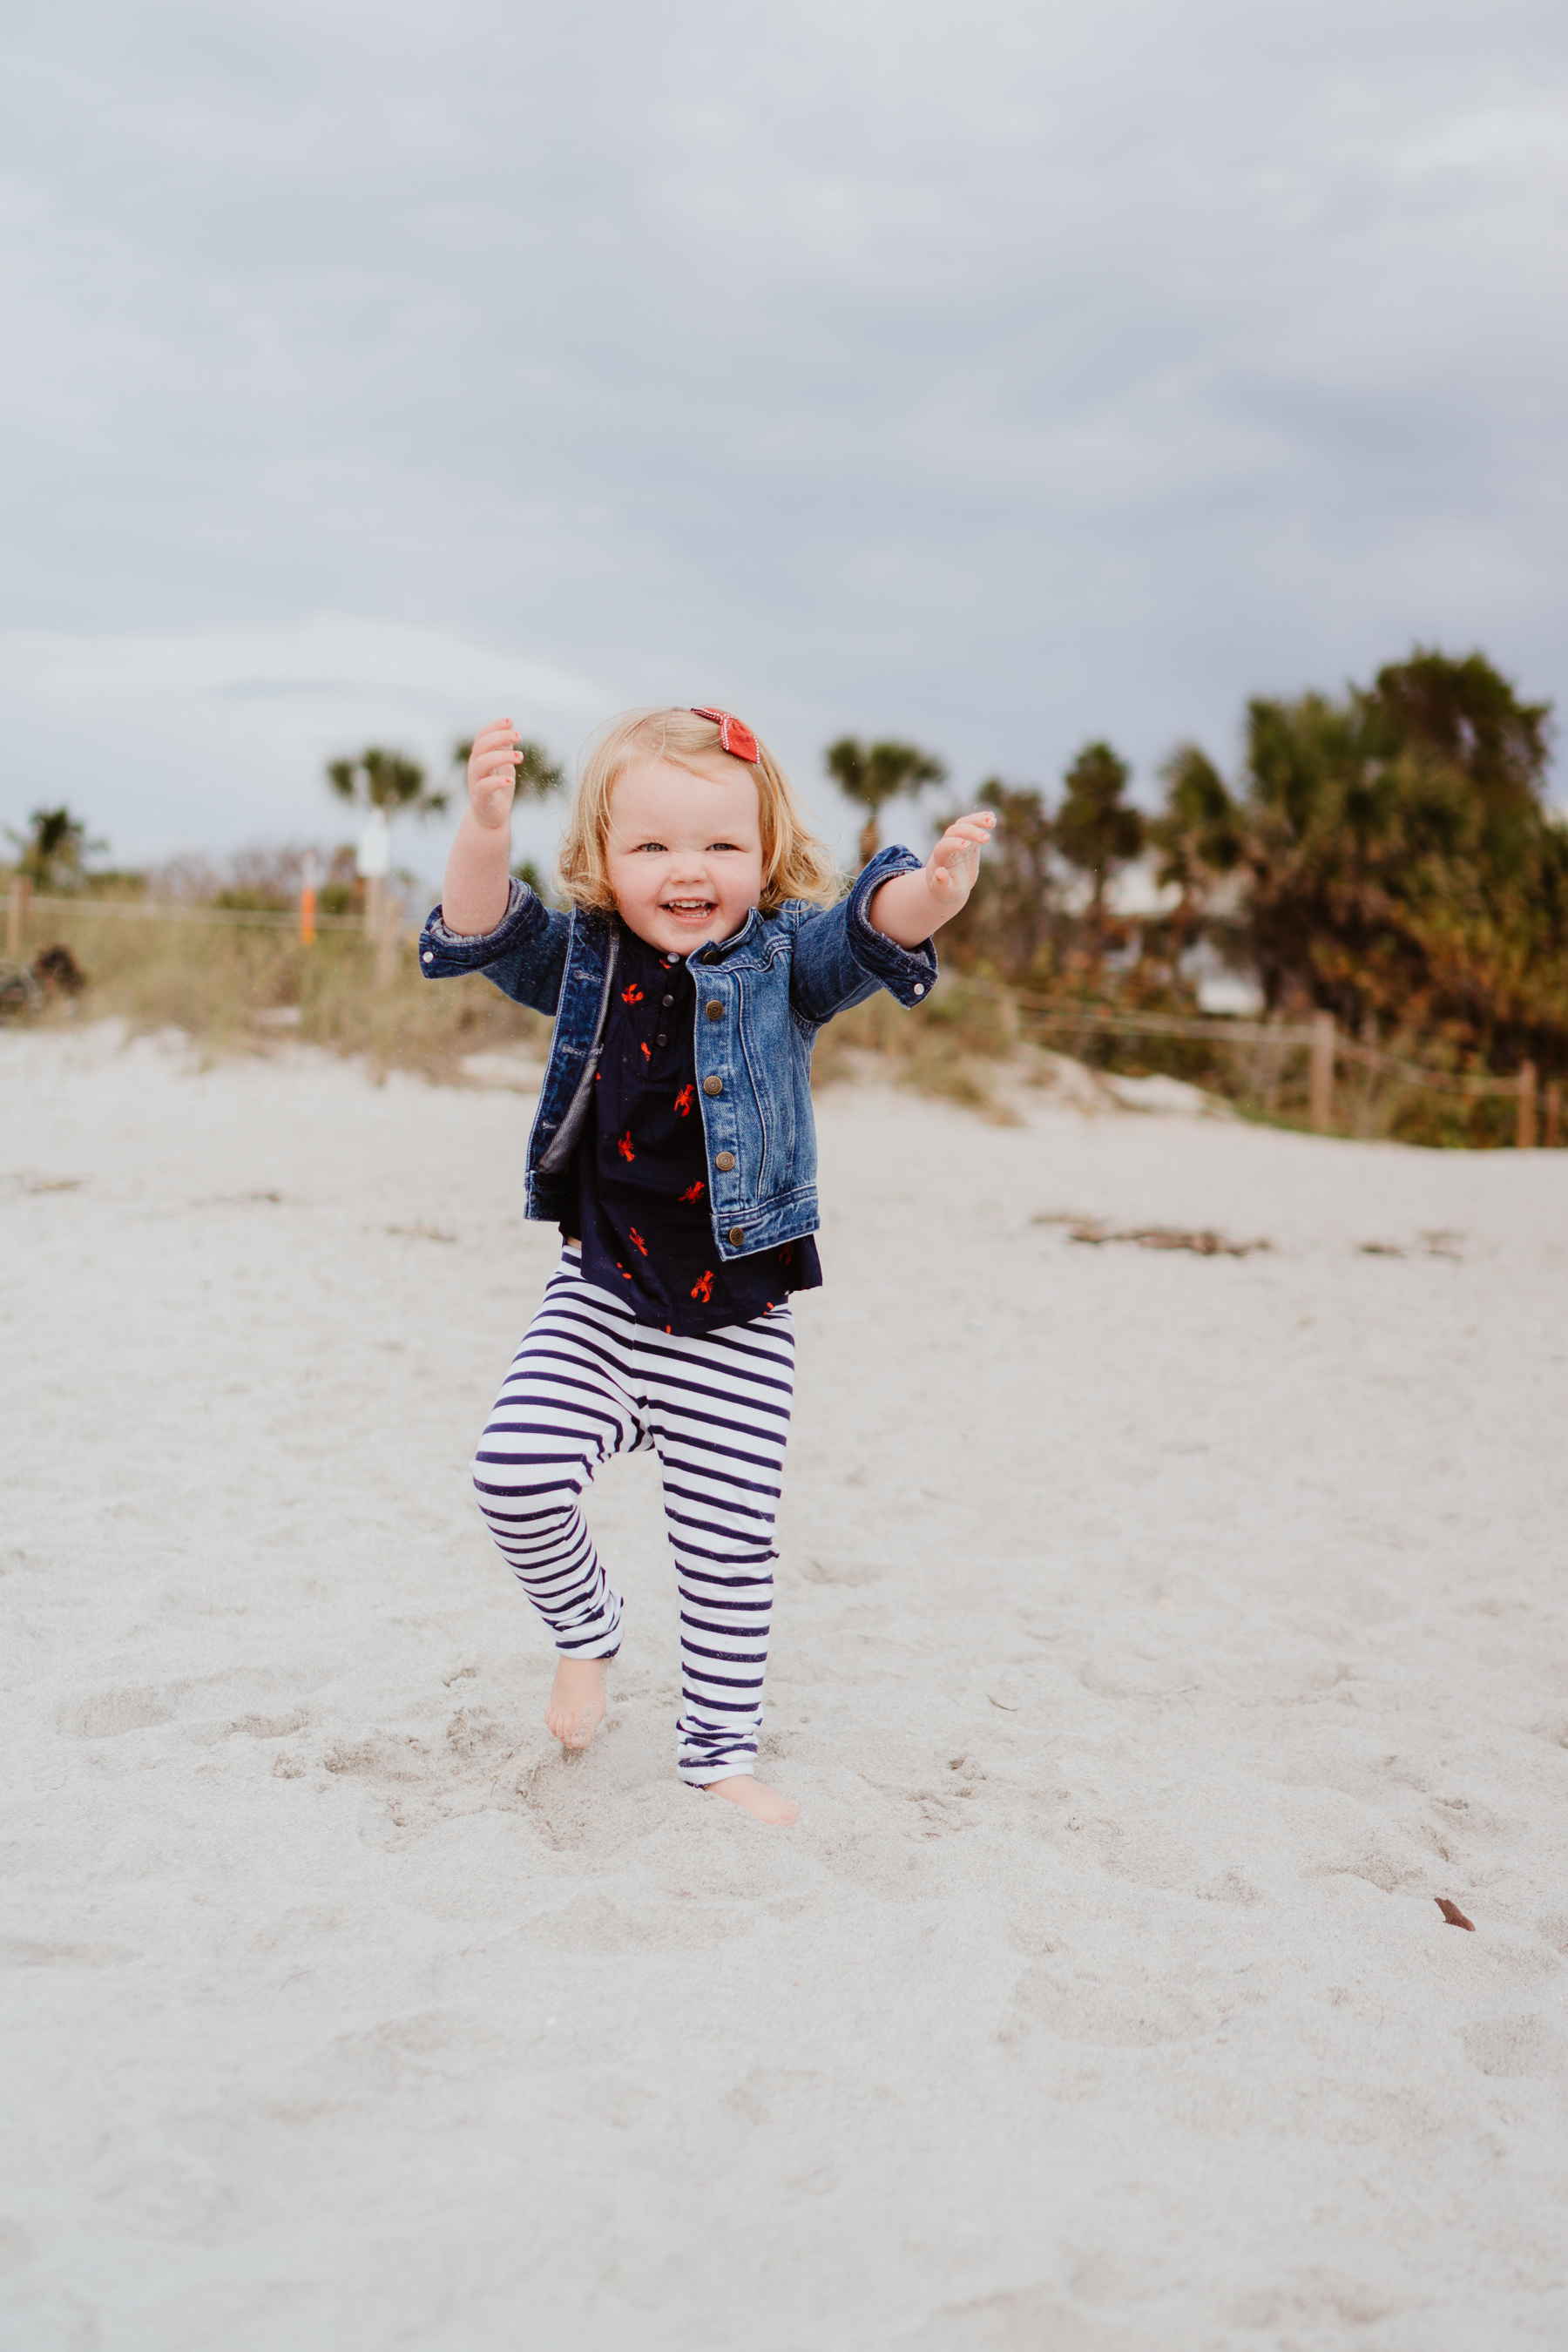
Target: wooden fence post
[[1525, 1132], [1321, 1104], [16, 919], [1554, 1114]]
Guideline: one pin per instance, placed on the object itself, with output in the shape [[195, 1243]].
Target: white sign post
[[373, 860]]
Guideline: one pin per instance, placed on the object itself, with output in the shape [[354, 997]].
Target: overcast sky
[[994, 375]]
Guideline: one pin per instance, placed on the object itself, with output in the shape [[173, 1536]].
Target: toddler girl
[[675, 1147]]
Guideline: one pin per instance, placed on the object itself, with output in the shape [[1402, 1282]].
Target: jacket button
[[737, 1235], [713, 1009], [713, 1086], [711, 956], [723, 1161]]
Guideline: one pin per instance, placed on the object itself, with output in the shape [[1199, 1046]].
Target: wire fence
[[1265, 1046], [1267, 1043], [178, 910]]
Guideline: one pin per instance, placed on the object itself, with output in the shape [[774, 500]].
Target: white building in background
[[374, 855], [1136, 895], [1221, 990]]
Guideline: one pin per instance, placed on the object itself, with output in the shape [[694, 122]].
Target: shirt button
[[737, 1235], [920, 988], [661, 1039], [668, 1000], [723, 1161], [713, 1009], [713, 1086]]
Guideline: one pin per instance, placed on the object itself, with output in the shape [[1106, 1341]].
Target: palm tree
[[387, 780], [1097, 830], [1198, 835], [870, 774], [54, 849], [1006, 919], [537, 775]]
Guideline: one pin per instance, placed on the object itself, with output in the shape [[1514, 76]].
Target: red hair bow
[[734, 737]]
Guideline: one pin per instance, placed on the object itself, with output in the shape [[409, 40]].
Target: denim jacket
[[762, 996]]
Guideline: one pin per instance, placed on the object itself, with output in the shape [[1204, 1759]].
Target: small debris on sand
[[1202, 1241]]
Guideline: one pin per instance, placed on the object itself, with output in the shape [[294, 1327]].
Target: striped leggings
[[590, 1381]]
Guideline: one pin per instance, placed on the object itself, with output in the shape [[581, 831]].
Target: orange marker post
[[308, 900]]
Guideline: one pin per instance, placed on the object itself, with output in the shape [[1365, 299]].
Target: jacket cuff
[[908, 974], [443, 953]]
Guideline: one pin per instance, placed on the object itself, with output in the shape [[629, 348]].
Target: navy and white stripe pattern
[[590, 1381]]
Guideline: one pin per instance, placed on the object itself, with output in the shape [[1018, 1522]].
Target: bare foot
[[762, 1804], [576, 1706]]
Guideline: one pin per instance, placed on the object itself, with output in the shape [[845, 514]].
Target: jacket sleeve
[[839, 959], [524, 956]]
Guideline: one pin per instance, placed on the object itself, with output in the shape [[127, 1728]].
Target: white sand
[[1157, 1637]]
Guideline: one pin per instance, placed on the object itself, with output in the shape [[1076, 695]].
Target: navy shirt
[[641, 1168]]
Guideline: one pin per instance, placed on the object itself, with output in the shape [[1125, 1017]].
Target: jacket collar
[[728, 950], [596, 929]]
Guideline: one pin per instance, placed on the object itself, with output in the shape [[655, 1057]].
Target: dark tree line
[[1389, 855], [1021, 917]]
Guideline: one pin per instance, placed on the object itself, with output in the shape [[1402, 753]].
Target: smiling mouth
[[690, 911]]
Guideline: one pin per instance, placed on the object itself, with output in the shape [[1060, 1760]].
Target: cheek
[[630, 875]]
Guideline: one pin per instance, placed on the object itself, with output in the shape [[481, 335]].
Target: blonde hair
[[796, 864]]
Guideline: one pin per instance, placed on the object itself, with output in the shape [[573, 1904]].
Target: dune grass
[[225, 987]]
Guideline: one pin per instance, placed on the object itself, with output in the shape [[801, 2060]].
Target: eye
[[655, 847], [724, 845]]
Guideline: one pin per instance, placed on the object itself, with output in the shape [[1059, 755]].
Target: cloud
[[999, 377], [245, 717]]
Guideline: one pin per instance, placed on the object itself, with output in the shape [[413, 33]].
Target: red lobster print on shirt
[[624, 1144], [632, 995], [693, 1192], [637, 1238], [702, 1288], [684, 1100]]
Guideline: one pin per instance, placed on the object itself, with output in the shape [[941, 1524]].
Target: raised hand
[[492, 775], [911, 906], [476, 889], [955, 864]]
